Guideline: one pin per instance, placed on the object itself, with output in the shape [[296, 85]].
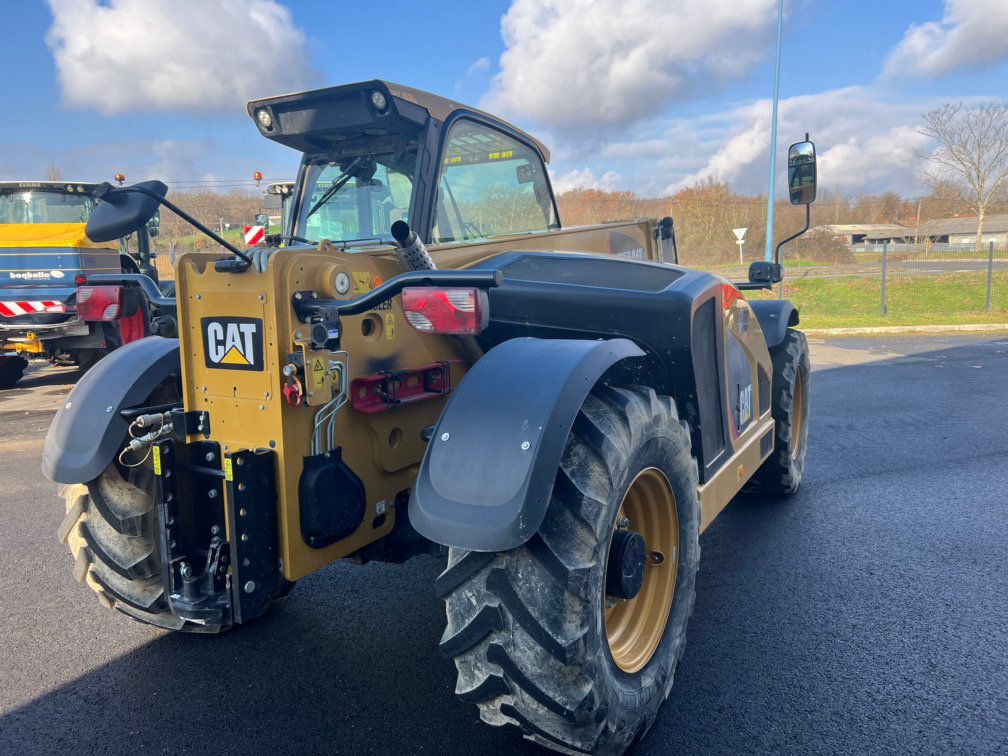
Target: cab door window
[[490, 184]]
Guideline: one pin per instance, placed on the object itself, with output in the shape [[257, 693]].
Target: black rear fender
[[488, 473], [775, 316], [88, 430]]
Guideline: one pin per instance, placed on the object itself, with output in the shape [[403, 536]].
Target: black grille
[[764, 391], [766, 443], [705, 367]]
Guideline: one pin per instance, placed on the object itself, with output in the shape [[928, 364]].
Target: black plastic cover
[[488, 473], [88, 430], [332, 499]]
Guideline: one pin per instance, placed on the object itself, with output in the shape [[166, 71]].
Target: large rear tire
[[11, 370], [783, 470], [540, 643]]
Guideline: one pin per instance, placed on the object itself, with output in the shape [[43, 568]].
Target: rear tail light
[[455, 312], [99, 302]]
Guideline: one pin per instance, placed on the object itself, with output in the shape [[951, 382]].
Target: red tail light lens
[[457, 312], [99, 302]]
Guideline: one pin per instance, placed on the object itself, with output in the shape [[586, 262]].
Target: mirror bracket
[[116, 195]]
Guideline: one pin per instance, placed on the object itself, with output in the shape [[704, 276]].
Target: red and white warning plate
[[14, 309], [254, 235]]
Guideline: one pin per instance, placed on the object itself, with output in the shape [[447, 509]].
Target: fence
[[888, 285]]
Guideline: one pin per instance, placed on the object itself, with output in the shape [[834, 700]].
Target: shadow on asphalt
[[347, 663], [863, 614], [60, 379]]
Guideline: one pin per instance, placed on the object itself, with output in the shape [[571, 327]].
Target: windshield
[[356, 198], [44, 206]]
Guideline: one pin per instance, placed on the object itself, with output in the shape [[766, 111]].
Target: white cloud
[[971, 34], [478, 66], [578, 64], [476, 72], [585, 178], [865, 141], [119, 56]]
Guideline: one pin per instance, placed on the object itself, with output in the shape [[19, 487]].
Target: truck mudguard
[[88, 430], [488, 473], [774, 316]]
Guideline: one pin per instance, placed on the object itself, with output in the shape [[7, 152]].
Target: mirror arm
[[188, 219], [808, 221]]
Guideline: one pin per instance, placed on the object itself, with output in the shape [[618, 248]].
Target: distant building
[[963, 230], [868, 233]]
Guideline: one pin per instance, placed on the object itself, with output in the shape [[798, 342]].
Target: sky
[[648, 96]]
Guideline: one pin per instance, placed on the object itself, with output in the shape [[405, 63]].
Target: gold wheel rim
[[797, 413], [634, 628]]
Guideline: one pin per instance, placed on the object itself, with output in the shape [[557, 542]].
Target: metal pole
[[990, 273], [773, 139], [885, 260]]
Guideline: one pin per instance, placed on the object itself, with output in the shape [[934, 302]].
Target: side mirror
[[154, 224], [123, 211], [262, 219], [763, 273], [801, 162]]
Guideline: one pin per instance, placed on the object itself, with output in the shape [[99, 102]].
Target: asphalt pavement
[[869, 613]]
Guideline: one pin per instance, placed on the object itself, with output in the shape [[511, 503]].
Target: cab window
[[356, 199], [490, 184]]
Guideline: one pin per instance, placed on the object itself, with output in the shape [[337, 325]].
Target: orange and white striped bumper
[[13, 309]]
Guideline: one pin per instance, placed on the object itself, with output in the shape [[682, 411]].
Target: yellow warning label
[[362, 281], [228, 470], [389, 326], [318, 373], [156, 455]]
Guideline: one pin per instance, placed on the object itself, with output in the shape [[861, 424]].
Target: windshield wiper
[[336, 186]]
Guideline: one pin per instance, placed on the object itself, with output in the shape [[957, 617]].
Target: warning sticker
[[156, 454], [362, 281], [318, 373], [228, 469], [389, 326]]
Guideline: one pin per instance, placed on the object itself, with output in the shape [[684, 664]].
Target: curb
[[880, 330]]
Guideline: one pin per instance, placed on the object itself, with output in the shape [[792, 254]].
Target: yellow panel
[[48, 235]]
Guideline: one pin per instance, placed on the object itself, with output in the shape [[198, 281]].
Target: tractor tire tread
[[517, 626]]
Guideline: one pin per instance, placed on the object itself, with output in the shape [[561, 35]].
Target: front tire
[[111, 529], [783, 470], [539, 643]]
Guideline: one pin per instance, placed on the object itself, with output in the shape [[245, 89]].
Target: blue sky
[[644, 95]]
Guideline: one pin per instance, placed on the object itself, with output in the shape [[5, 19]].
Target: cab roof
[[79, 187], [321, 119]]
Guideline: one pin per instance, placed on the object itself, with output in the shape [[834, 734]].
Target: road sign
[[740, 240], [254, 235]]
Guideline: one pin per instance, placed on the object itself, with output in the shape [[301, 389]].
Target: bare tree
[[53, 172], [972, 150]]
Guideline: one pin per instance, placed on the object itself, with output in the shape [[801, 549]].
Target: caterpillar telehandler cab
[[46, 309], [432, 364]]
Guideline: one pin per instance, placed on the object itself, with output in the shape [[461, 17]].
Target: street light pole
[[773, 138]]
